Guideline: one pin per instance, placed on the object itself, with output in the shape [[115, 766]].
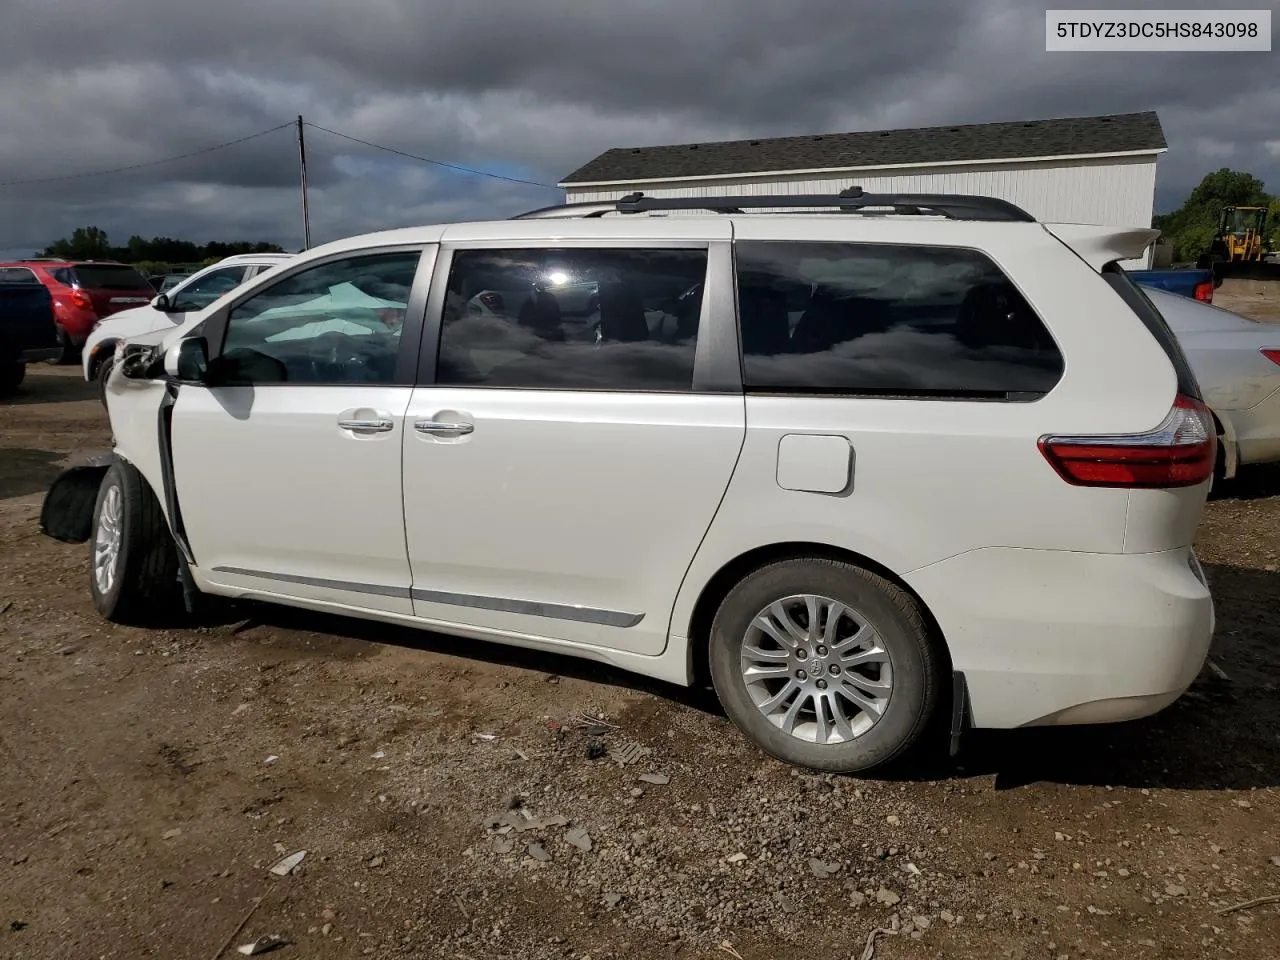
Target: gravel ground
[[465, 800]]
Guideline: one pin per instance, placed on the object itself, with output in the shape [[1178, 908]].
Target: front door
[[288, 477], [566, 463]]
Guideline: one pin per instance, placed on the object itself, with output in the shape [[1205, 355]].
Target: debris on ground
[[381, 754], [1250, 904], [1217, 670], [579, 838], [869, 950], [538, 852], [627, 753], [261, 945], [286, 866], [486, 737], [270, 760], [822, 869], [887, 897], [67, 650], [612, 899], [596, 750], [658, 779], [735, 857], [171, 834]]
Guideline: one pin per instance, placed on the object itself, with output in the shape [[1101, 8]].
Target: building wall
[[1119, 191]]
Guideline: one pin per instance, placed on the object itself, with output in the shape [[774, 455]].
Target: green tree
[[1192, 226], [85, 243]]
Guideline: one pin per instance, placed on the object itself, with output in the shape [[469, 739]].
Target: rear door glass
[[869, 319], [94, 277]]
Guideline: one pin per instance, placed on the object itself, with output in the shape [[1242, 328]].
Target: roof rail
[[852, 200]]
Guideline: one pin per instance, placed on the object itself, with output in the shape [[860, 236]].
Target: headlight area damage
[[67, 513]]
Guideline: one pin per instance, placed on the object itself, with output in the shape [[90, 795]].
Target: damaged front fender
[[67, 513]]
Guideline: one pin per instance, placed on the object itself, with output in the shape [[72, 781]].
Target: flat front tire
[[133, 575], [824, 664]]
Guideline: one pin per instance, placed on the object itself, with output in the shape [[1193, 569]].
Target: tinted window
[[891, 320], [94, 277], [603, 319], [63, 275], [199, 293], [17, 275], [339, 322]]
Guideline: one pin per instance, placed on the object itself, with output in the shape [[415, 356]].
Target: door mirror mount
[[161, 303], [187, 361]]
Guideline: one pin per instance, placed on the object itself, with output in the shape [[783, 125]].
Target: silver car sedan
[[1237, 361]]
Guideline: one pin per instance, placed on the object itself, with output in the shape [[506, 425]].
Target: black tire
[[145, 587], [104, 371], [11, 377], [69, 352], [915, 659]]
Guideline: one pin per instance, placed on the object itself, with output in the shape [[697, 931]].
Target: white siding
[[1116, 191]]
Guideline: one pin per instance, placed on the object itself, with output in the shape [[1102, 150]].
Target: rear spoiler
[[1099, 245]]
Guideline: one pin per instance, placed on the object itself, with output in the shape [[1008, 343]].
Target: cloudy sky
[[529, 89]]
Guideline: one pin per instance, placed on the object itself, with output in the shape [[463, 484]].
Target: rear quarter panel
[[933, 479]]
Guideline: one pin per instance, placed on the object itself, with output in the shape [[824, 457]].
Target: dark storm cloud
[[532, 89]]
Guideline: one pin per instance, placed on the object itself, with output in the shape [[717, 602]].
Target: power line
[[438, 163], [149, 163]]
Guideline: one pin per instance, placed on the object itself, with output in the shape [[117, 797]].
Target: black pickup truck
[[27, 330]]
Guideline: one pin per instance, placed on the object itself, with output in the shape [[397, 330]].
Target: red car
[[84, 292]]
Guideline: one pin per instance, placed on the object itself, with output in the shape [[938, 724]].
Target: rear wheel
[[68, 351], [134, 575], [825, 664]]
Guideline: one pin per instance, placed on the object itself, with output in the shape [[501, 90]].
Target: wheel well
[[718, 587], [101, 350]]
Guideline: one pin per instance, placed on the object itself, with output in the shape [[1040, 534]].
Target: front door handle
[[380, 425], [439, 427]]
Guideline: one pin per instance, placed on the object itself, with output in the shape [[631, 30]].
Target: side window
[[572, 319], [887, 320], [63, 275], [201, 292], [335, 323], [17, 275]]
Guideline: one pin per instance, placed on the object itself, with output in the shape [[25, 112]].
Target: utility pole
[[302, 164]]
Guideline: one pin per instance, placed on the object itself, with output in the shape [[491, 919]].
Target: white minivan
[[856, 471]]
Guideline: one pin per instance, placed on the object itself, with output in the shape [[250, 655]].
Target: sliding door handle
[[438, 427]]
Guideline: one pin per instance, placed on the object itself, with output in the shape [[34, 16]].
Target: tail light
[[1178, 453], [1204, 291], [1272, 355], [81, 299]]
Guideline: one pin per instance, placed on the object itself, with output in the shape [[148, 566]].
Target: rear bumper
[[1056, 637], [1257, 431]]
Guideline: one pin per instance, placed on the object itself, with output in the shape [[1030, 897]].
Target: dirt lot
[[148, 780]]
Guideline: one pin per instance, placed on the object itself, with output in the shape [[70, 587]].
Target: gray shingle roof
[[975, 141]]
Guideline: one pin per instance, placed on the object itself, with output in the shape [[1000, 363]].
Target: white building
[[1076, 170]]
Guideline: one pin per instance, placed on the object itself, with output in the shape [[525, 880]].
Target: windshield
[[1240, 222], [95, 277]]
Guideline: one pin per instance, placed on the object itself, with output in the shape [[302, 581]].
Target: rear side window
[[887, 320], [1141, 304], [94, 277], [572, 319], [17, 275]]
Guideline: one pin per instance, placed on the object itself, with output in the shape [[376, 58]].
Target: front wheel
[[134, 576], [11, 377], [825, 665], [103, 372]]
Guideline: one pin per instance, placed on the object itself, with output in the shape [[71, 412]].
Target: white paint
[[1060, 603], [811, 463]]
